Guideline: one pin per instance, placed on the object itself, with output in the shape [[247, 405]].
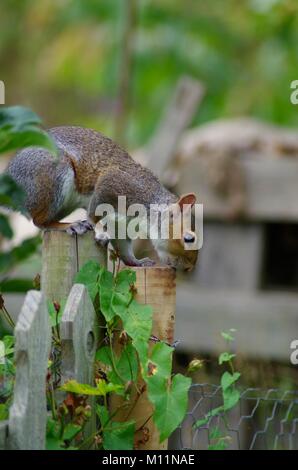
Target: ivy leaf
[[225, 357], [119, 436], [231, 398], [126, 364], [170, 402], [228, 379], [137, 322], [102, 388], [70, 431], [106, 292], [115, 294], [161, 356], [116, 436], [89, 275]]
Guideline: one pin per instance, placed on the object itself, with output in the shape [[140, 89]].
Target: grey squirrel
[[92, 169]]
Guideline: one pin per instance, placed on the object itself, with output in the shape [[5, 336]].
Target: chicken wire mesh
[[261, 420]]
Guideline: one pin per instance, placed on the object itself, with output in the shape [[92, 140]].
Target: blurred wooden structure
[[247, 274]]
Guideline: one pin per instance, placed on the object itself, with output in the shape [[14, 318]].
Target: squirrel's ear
[[189, 198]]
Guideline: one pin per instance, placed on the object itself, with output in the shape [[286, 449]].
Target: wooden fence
[[62, 257]]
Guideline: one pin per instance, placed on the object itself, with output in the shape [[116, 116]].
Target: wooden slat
[[78, 332], [78, 336], [266, 323], [271, 188], [231, 256], [27, 416]]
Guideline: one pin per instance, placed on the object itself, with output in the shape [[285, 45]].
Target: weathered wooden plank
[[88, 250], [59, 264], [271, 188], [266, 323], [27, 416], [3, 434], [177, 116], [78, 334], [231, 256], [62, 257]]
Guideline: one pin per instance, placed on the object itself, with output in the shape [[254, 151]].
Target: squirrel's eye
[[189, 237]]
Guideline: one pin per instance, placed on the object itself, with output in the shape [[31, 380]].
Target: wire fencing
[[262, 420]]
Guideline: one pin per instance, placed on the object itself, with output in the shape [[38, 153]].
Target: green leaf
[[170, 402], [17, 116], [227, 336], [16, 285], [225, 357], [228, 379], [106, 292], [161, 357], [116, 436], [215, 412], [102, 388], [5, 228], [3, 412], [70, 431], [115, 295], [231, 398], [8, 342], [19, 128], [11, 194], [18, 253], [137, 322], [119, 436], [126, 365], [89, 275]]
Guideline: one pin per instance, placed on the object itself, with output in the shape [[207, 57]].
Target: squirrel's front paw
[[146, 262], [102, 238], [80, 227]]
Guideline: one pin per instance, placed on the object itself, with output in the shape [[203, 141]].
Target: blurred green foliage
[[62, 58], [19, 127]]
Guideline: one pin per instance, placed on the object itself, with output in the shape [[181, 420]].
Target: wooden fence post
[[28, 413], [156, 287], [62, 257]]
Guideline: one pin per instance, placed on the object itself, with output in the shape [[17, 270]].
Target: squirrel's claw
[[144, 262], [80, 227], [102, 238]]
